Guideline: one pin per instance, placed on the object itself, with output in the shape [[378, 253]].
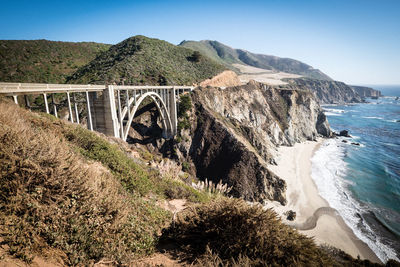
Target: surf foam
[[328, 172]]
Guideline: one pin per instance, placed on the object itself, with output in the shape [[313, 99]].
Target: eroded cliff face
[[235, 131], [327, 92], [366, 91]]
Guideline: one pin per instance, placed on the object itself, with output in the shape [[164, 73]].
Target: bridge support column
[[104, 113], [173, 111]]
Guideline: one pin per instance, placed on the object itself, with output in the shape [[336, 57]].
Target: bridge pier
[[104, 115], [172, 111]]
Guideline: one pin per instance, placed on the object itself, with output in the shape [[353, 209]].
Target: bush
[[234, 231], [183, 124], [175, 189], [195, 57], [185, 104], [185, 166]]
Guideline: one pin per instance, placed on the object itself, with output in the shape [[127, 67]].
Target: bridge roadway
[[110, 109]]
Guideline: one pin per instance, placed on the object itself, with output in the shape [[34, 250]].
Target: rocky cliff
[[328, 92], [366, 91], [234, 133]]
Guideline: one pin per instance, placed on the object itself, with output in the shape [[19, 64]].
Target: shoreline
[[313, 214]]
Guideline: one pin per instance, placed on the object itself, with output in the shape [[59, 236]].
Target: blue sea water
[[363, 181]]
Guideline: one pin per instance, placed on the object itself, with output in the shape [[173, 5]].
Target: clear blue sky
[[355, 41]]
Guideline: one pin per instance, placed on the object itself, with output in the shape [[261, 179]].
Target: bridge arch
[[161, 107]]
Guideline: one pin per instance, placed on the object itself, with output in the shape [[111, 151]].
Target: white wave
[[380, 118], [332, 114], [390, 144], [328, 170], [372, 117], [334, 110]]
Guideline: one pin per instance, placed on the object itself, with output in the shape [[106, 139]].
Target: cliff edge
[[234, 133]]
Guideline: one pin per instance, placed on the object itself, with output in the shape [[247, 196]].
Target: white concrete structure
[[109, 109]]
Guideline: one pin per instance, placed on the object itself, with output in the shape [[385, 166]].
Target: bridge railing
[[116, 103]]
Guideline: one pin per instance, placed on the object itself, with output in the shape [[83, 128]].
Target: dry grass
[[53, 200]]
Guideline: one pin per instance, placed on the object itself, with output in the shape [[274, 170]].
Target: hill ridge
[[44, 61], [229, 56], [148, 61]]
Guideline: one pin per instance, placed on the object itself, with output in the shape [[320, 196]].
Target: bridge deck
[[39, 88]]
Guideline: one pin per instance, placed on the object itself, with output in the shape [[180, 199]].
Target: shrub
[[234, 230], [183, 124], [185, 104], [185, 166], [195, 57]]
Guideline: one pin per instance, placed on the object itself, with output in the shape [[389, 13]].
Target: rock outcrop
[[235, 131], [224, 79], [366, 91], [328, 92]]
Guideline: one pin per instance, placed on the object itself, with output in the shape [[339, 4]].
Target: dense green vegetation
[[227, 56], [185, 104], [42, 61], [147, 61]]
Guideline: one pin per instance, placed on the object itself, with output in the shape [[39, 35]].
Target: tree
[[195, 57]]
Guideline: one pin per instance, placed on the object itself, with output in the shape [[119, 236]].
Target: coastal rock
[[327, 92], [290, 215], [344, 133], [367, 91]]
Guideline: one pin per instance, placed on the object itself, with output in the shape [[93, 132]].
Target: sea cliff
[[234, 133], [366, 91]]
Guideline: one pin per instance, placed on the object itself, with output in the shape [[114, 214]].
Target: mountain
[[43, 61], [148, 61], [230, 56]]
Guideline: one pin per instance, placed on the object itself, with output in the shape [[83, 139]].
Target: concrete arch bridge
[[110, 109]]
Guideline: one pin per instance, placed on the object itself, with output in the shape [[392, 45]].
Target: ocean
[[362, 180]]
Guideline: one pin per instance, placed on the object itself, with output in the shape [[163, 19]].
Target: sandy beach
[[314, 217]]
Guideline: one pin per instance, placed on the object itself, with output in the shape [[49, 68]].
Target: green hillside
[[214, 50], [228, 56], [148, 61], [44, 61]]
